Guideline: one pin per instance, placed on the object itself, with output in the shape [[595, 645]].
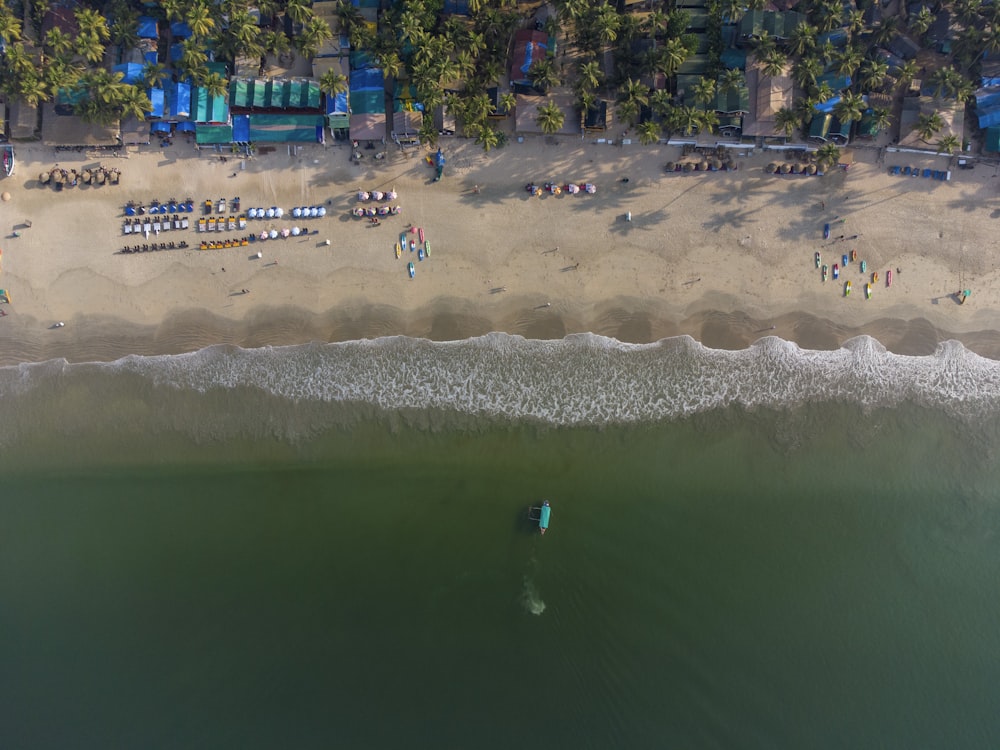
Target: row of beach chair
[[149, 248], [928, 174], [222, 224], [223, 244], [150, 224]]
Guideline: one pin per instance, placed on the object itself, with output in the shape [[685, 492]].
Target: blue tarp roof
[[367, 79], [988, 101], [180, 29], [151, 57], [828, 105], [834, 81], [176, 51], [157, 99], [186, 127], [159, 127], [991, 82], [337, 105], [179, 99], [989, 118], [241, 128], [131, 72], [147, 28]]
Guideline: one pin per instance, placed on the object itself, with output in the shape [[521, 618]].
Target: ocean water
[[327, 546]]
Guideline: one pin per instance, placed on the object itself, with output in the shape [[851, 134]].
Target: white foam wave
[[580, 380]]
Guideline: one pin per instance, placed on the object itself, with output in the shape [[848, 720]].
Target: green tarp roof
[[734, 100], [777, 25], [285, 128], [992, 140], [258, 94], [368, 102], [209, 134], [239, 93], [280, 93], [209, 108]]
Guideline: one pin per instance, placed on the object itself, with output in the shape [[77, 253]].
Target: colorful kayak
[[825, 272], [864, 266], [836, 272], [868, 291], [420, 254], [399, 250], [843, 260], [413, 246], [420, 233], [854, 255], [817, 260], [402, 239], [826, 231], [874, 277], [427, 248], [410, 269], [847, 289], [888, 278]]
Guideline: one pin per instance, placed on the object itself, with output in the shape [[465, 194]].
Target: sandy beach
[[726, 257]]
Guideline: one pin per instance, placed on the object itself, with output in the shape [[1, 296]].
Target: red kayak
[[420, 233], [888, 278]]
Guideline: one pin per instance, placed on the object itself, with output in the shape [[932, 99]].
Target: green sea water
[[821, 576]]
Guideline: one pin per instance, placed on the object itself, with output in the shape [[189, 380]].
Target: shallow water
[[262, 548]]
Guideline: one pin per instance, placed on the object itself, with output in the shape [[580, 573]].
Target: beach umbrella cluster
[[60, 178], [556, 189], [308, 211], [376, 195]]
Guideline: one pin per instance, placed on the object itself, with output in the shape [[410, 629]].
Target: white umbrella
[[274, 234], [285, 232], [263, 235], [296, 212], [377, 195], [260, 213], [321, 211], [391, 195], [314, 211], [252, 213], [362, 195], [270, 213], [296, 231], [279, 212]]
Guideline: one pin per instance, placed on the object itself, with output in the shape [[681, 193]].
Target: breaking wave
[[582, 380]]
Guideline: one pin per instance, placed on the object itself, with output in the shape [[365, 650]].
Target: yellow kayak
[[399, 251]]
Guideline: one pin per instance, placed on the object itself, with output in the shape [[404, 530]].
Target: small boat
[[817, 260], [427, 248], [836, 272], [843, 260], [868, 291], [420, 254], [826, 271], [410, 269], [888, 278], [413, 246], [543, 520], [874, 277], [420, 233], [402, 239], [826, 231], [8, 159], [864, 266], [854, 255], [847, 289], [399, 251]]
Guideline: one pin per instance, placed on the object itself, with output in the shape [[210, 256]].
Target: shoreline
[[104, 339], [721, 257]]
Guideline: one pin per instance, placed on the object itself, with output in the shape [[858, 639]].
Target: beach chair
[[184, 223], [202, 225], [147, 226], [156, 227], [177, 221], [231, 223], [895, 170], [927, 173], [127, 227], [211, 225], [242, 222]]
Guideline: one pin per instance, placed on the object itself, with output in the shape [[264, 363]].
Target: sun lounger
[[231, 223], [895, 170], [242, 222], [147, 227], [184, 223], [927, 173], [127, 227], [211, 225], [177, 221], [202, 226], [156, 226]]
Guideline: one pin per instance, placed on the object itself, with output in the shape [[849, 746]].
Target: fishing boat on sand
[[8, 159]]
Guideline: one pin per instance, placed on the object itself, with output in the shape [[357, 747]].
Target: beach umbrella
[[296, 231], [590, 188], [5, 196], [811, 169], [391, 195], [688, 167], [252, 213], [296, 212], [377, 195], [786, 168], [362, 195], [716, 164], [771, 168], [314, 212], [274, 234], [279, 212], [671, 167], [263, 235], [321, 211], [285, 232]]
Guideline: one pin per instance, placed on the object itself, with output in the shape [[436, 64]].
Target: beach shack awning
[[179, 99], [131, 72], [180, 30], [286, 128], [239, 93], [206, 135], [258, 93], [158, 100], [241, 128], [147, 28]]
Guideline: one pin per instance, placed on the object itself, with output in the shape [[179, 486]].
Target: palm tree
[[61, 75], [507, 102], [802, 39], [786, 120], [704, 91], [298, 11], [333, 82], [927, 125], [907, 73], [543, 74], [89, 47], [967, 11], [649, 132], [591, 76], [881, 119], [635, 91], [606, 22], [274, 43], [922, 21], [488, 138], [172, 9], [214, 84], [688, 119], [661, 103], [886, 30], [806, 71], [848, 60], [628, 111], [709, 121], [873, 74], [193, 58], [550, 118], [10, 25], [58, 42], [153, 74], [125, 29], [774, 64], [827, 155], [855, 22], [92, 23], [133, 102], [316, 32], [199, 19], [764, 45], [32, 89], [849, 108], [672, 55], [948, 144], [731, 80]]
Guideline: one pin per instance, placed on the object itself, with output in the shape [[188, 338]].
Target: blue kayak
[[826, 231], [410, 269]]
